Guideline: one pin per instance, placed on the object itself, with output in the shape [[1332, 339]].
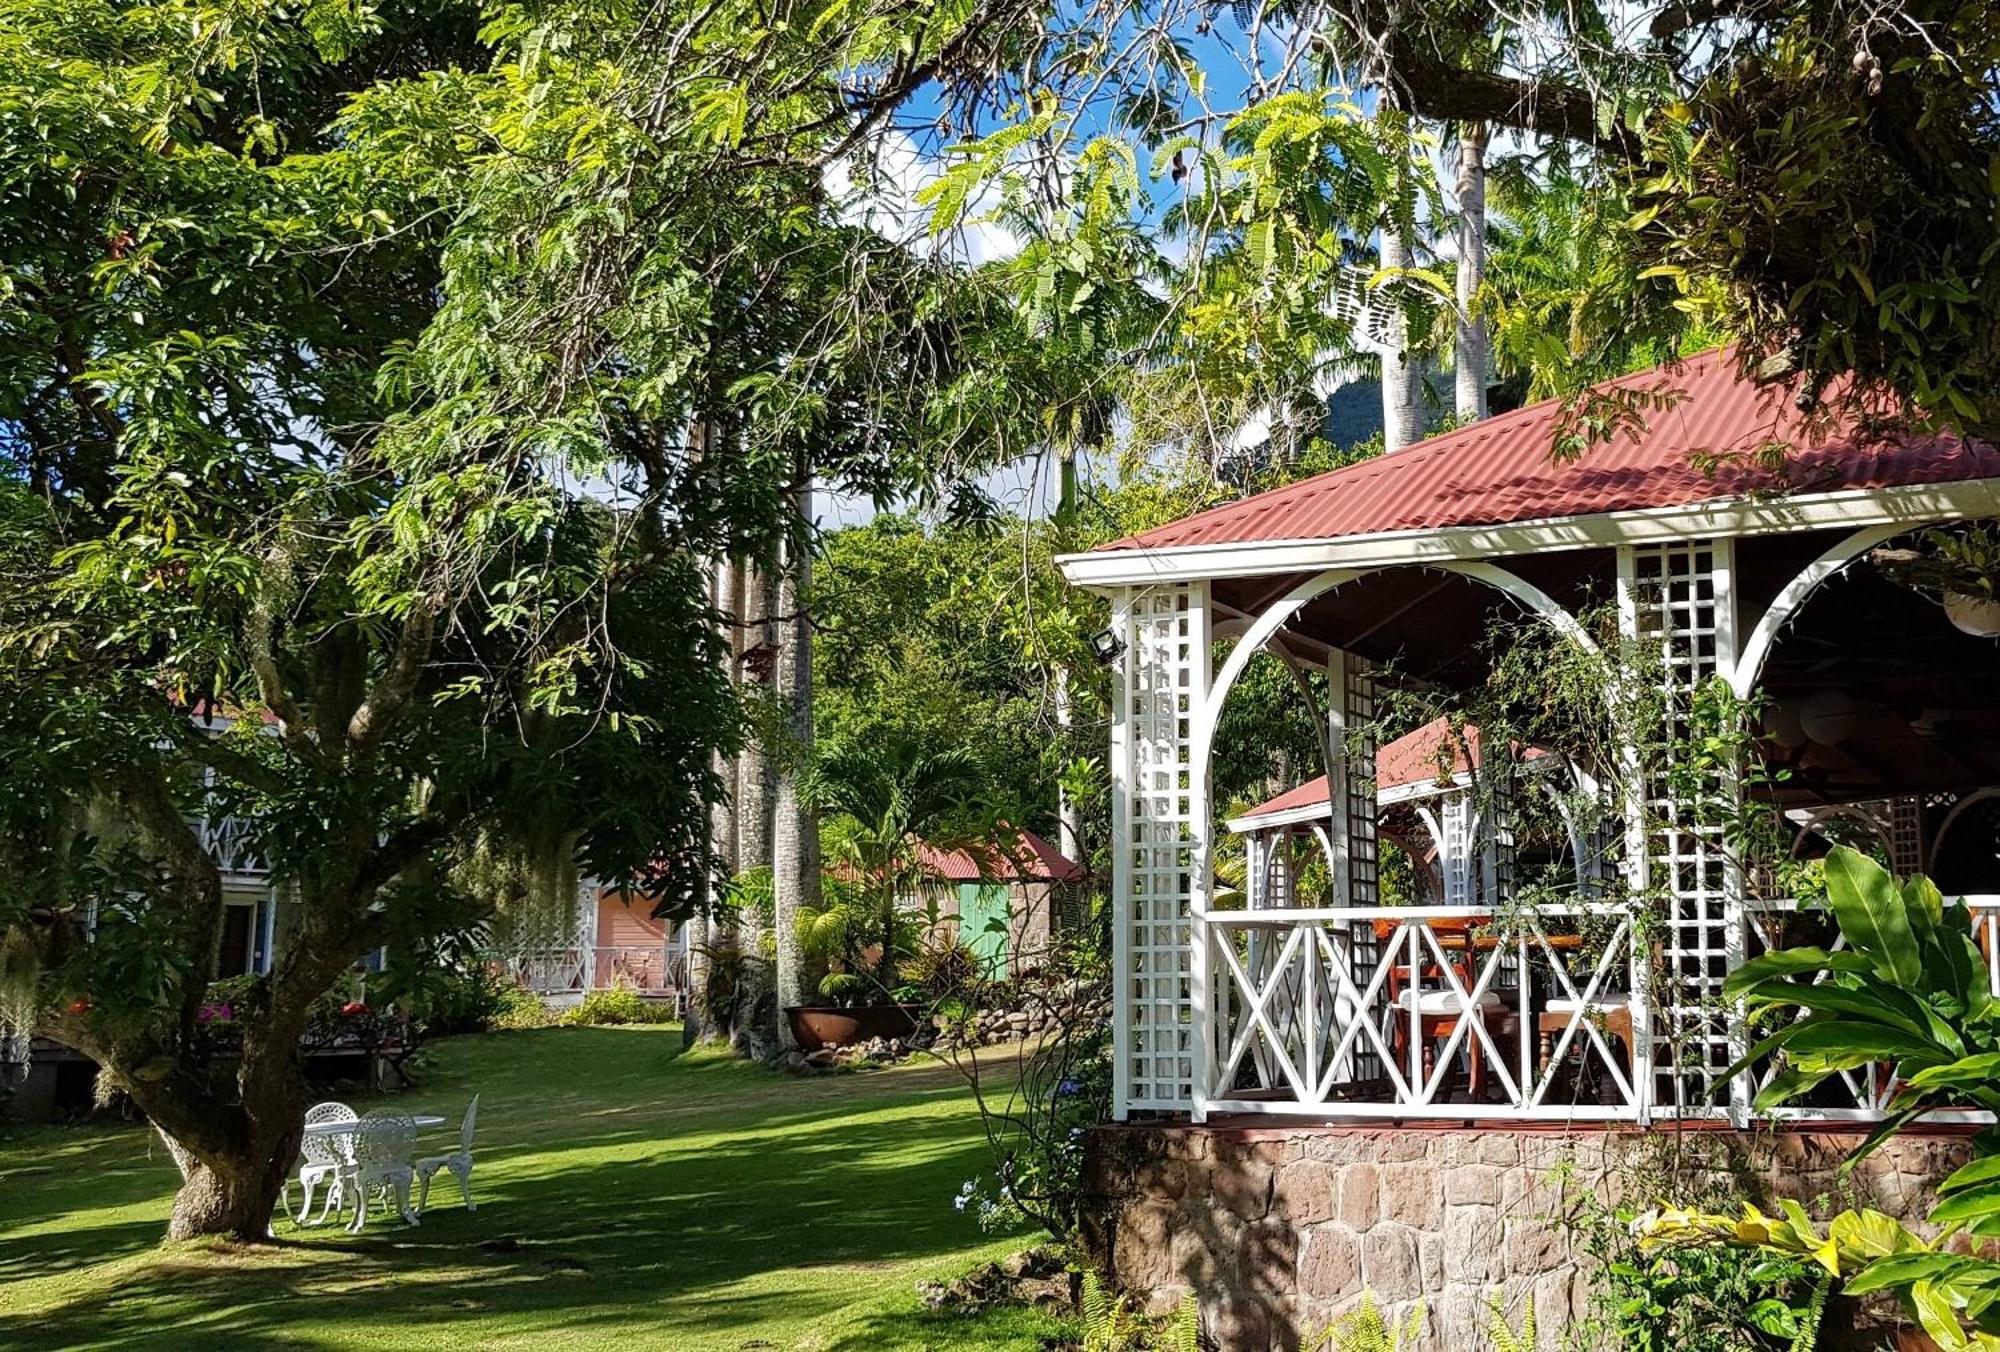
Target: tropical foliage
[[1908, 988]]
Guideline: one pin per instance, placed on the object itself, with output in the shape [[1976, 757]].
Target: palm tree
[[1402, 371], [1470, 347], [795, 852], [896, 796]]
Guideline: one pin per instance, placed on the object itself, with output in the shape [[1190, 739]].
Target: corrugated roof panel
[[1499, 471]]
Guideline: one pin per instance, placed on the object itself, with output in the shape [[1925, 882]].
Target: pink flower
[[352, 1009], [215, 1014]]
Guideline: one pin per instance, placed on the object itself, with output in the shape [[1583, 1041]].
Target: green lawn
[[629, 1195]]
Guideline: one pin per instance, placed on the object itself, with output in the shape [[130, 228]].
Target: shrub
[[519, 1008], [463, 998], [620, 1004]]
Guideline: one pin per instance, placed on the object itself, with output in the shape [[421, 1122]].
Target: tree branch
[[397, 683]]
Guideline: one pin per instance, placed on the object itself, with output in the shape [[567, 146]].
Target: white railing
[[573, 969], [1452, 1012], [1362, 1011], [227, 841]]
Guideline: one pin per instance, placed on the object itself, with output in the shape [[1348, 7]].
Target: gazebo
[[1725, 564]]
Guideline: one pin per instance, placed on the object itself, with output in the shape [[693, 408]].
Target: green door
[[982, 923]]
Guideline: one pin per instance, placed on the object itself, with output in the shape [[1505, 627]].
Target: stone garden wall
[[1279, 1230]]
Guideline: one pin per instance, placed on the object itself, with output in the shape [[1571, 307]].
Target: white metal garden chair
[[384, 1143], [459, 1162], [325, 1160]]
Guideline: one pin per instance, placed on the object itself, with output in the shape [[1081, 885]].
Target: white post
[[1677, 599], [1122, 849], [1196, 753]]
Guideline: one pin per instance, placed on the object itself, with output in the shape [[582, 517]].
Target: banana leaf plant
[[1909, 988]]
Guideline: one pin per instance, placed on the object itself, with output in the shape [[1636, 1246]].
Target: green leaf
[[1870, 913], [1986, 1169]]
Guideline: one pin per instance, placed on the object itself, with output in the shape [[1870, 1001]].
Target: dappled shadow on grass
[[660, 1198]]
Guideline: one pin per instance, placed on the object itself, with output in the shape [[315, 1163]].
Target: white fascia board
[[1265, 821], [1422, 788], [1916, 504]]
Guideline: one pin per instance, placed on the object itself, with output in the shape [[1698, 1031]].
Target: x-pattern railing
[[1320, 1021]]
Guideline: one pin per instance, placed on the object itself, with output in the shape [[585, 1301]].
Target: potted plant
[[1960, 569], [883, 800]]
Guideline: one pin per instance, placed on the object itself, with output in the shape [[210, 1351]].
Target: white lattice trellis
[[1675, 602], [1161, 826]]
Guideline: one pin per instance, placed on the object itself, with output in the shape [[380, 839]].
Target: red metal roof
[[1499, 471], [1413, 758], [1029, 859]]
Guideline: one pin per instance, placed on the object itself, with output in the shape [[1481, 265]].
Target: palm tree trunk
[[753, 1027], [1471, 342], [795, 827], [701, 1025], [1402, 375]]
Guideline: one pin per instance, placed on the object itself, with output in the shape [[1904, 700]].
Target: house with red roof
[[1005, 901]]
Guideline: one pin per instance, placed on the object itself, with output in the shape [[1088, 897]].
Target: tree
[[893, 797], [1471, 362], [315, 319], [1814, 179], [795, 847]]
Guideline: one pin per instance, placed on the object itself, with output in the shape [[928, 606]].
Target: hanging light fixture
[[1827, 718], [1106, 647]]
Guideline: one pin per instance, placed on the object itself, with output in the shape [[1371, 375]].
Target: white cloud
[[881, 193]]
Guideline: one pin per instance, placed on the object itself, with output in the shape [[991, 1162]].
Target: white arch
[[1750, 658], [1267, 624], [1957, 811], [1855, 812]]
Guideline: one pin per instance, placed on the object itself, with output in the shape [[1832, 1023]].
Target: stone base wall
[[1280, 1230]]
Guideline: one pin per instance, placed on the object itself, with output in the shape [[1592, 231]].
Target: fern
[[1505, 1337], [1363, 1329], [1107, 1324], [1184, 1333], [1808, 1335]]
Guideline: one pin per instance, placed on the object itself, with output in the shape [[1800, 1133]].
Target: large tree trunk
[[1402, 374], [754, 1025], [234, 1195], [1471, 342], [795, 827], [703, 935], [234, 1157]]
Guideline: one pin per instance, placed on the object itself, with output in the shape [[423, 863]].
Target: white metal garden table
[[354, 1128]]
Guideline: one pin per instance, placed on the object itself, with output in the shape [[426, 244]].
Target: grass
[[627, 1192]]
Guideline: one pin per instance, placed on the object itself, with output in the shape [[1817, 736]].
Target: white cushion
[[1446, 1002], [1603, 1004]]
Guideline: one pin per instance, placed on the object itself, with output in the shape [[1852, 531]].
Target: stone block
[[1194, 1256], [1474, 1245], [1306, 1192], [1267, 1259], [1242, 1187], [1251, 1324], [1409, 1194], [1472, 1183], [1143, 1246], [1534, 1246], [1329, 1264], [1402, 1147], [1390, 1266], [1499, 1147], [1360, 1196], [1430, 1260]]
